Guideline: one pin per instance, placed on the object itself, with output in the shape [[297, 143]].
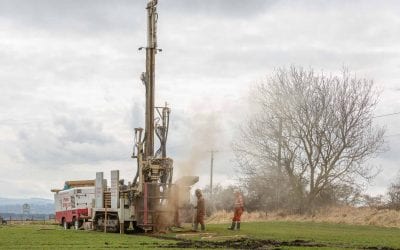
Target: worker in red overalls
[[238, 210], [201, 211]]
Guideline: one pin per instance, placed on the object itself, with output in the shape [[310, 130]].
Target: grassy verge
[[53, 237], [332, 235], [274, 234]]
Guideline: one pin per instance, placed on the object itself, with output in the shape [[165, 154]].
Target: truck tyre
[[126, 226]]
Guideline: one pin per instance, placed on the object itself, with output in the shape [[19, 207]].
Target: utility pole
[[212, 172]]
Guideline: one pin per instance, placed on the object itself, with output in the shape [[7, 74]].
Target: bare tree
[[313, 132], [393, 194]]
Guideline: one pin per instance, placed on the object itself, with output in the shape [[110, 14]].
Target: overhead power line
[[391, 135], [396, 113]]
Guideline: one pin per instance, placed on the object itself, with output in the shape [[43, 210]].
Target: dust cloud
[[205, 135]]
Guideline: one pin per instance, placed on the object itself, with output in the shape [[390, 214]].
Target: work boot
[[238, 225], [232, 226], [195, 227]]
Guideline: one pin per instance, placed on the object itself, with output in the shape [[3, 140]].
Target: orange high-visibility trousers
[[237, 214]]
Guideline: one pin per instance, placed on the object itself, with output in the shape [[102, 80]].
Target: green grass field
[[54, 237], [282, 235]]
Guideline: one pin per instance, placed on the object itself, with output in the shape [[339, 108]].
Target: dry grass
[[345, 215]]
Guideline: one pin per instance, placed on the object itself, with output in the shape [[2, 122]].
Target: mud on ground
[[216, 242], [243, 243], [249, 243]]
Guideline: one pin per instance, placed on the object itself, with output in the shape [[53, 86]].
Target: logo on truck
[[66, 201]]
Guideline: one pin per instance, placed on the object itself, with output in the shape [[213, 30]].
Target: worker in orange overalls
[[238, 210], [201, 211]]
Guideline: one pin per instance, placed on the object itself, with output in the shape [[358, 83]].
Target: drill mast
[[149, 79], [154, 167]]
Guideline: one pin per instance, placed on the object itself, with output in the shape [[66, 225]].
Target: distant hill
[[37, 205]]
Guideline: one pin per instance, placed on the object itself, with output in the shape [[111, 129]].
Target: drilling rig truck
[[151, 201]]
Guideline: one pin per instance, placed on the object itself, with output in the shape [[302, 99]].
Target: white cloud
[[71, 94]]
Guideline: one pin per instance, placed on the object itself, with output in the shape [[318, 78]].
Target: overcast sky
[[71, 94]]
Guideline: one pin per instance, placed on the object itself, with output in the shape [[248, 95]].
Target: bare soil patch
[[244, 243]]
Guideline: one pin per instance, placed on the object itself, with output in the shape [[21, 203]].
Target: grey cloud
[[77, 141], [83, 131], [324, 38], [78, 61], [227, 63], [116, 15], [85, 16], [220, 8]]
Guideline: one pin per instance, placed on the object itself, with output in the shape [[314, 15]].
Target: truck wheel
[[126, 226]]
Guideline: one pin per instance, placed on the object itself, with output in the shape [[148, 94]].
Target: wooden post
[[122, 217], [105, 218]]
